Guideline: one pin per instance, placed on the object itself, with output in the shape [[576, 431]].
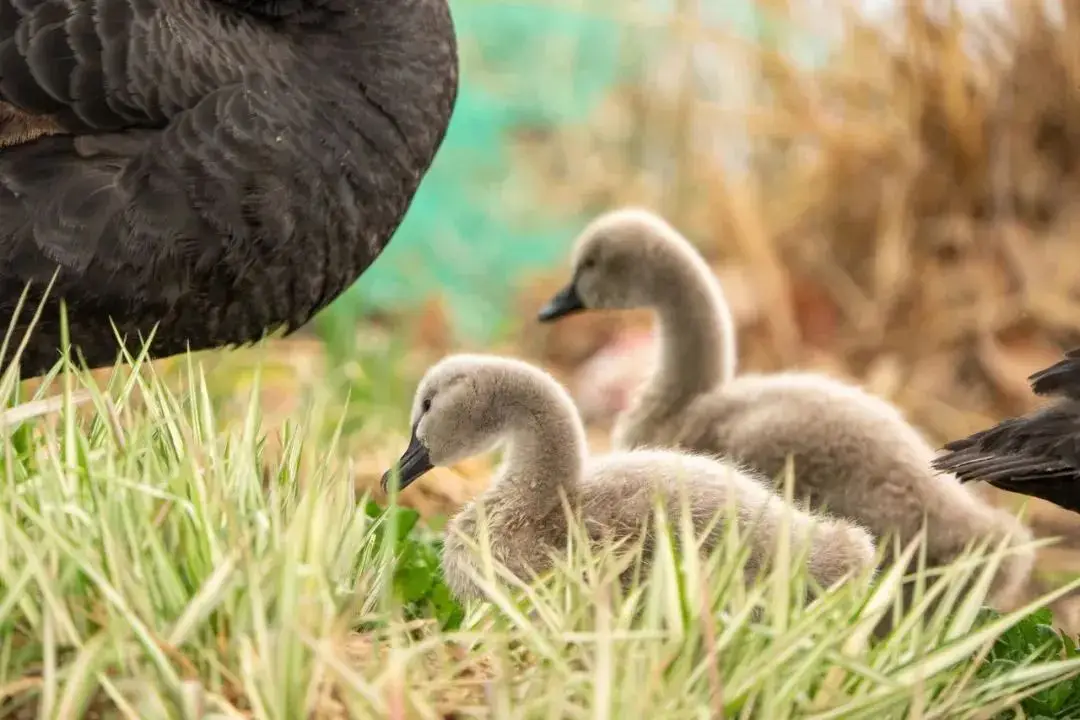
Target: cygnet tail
[[840, 550]]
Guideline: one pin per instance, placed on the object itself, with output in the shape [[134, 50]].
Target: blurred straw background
[[897, 211]]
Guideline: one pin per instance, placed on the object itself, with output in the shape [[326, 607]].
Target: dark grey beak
[[412, 465], [566, 302]]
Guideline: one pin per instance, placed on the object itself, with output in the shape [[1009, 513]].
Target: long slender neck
[[697, 334], [545, 453]]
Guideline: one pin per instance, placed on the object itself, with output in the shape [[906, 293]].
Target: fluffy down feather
[[854, 454], [467, 404]]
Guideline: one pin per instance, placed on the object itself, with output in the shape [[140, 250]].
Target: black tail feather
[[1061, 378]]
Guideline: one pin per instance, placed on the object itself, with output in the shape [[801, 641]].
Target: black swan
[[219, 169], [1037, 454]]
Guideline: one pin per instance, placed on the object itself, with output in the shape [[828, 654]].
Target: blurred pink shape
[[604, 384]]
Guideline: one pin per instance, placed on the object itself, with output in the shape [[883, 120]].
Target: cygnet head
[[463, 406], [623, 260]]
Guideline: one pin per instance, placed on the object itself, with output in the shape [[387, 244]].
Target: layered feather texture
[[1037, 454], [218, 169]]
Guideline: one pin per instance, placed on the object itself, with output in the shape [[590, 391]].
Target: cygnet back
[[854, 454], [619, 487]]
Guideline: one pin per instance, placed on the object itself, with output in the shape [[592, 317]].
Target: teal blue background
[[458, 238]]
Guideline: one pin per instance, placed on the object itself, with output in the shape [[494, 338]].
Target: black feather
[[1037, 454], [228, 167]]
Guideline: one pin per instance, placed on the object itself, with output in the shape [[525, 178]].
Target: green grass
[[159, 562]]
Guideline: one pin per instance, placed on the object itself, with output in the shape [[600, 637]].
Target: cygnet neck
[[696, 330], [545, 451]]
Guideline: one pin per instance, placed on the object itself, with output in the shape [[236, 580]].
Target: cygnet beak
[[566, 302], [413, 464]]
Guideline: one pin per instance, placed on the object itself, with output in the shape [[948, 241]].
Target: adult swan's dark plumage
[[1037, 454], [228, 167]]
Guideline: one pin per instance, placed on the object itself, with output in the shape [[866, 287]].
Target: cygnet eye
[[426, 405], [588, 263]]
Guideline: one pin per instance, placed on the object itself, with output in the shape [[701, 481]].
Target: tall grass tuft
[[155, 563]]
